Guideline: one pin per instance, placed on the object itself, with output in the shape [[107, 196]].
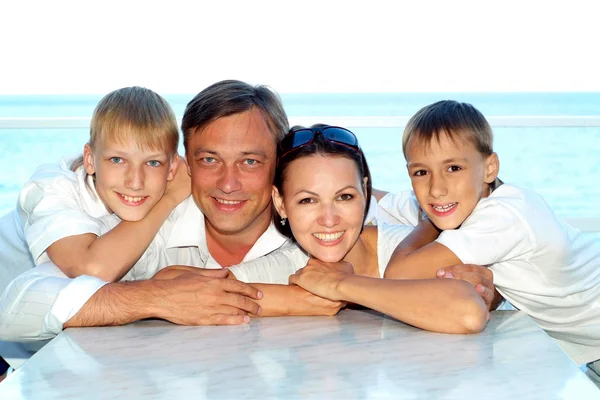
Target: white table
[[357, 354]]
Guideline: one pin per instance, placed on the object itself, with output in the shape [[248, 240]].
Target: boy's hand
[[480, 277], [180, 187]]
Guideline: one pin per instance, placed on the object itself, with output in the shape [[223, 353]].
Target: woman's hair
[[323, 147], [460, 122], [134, 113]]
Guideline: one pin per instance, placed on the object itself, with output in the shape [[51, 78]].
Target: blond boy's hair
[[134, 113], [461, 122]]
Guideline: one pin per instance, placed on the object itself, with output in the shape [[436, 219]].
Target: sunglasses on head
[[297, 139]]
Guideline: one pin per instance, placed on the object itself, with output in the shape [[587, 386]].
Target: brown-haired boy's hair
[[134, 113], [461, 122]]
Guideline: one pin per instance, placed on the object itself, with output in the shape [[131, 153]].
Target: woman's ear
[[492, 167], [365, 182], [88, 160], [278, 202]]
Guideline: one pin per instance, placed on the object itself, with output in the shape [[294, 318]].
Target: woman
[[321, 192]]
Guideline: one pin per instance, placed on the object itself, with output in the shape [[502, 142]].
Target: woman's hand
[[321, 278]]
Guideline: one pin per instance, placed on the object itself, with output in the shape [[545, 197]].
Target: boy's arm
[[422, 263], [111, 255], [423, 234]]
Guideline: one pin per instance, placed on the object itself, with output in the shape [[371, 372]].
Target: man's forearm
[[117, 304]]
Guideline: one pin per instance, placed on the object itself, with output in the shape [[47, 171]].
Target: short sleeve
[[399, 208], [275, 267], [51, 207], [493, 233], [388, 238]]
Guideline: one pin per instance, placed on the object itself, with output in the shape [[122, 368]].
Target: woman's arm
[[442, 305], [110, 256]]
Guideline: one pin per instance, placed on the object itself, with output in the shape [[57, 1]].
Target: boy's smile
[[448, 178]]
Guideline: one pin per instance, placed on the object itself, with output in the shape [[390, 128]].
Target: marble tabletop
[[354, 355]]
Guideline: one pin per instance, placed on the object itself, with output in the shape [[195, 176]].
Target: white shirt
[[278, 266], [541, 265], [37, 303]]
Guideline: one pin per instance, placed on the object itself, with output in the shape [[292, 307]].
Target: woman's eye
[[154, 163], [116, 160], [345, 197], [305, 201]]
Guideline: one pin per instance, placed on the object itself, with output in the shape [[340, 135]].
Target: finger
[[225, 319], [293, 279], [440, 273], [449, 275], [471, 268], [486, 294], [234, 286], [241, 302]]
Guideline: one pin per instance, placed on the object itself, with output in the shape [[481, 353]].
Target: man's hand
[[322, 278], [480, 277], [193, 299], [180, 187]]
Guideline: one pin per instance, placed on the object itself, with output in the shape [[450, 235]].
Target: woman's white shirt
[[278, 266]]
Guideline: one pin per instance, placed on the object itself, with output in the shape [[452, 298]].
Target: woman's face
[[324, 201]]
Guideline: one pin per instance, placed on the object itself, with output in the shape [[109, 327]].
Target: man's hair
[[134, 113], [323, 147], [461, 122], [230, 97]]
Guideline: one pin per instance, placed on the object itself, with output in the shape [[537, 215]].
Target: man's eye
[[250, 161], [154, 163], [116, 160], [209, 160]]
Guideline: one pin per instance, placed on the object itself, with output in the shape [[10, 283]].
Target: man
[[231, 131]]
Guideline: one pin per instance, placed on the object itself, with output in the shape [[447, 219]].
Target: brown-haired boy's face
[[449, 178], [232, 164]]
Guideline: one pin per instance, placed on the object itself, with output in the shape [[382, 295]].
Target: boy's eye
[[420, 172], [307, 200], [454, 168], [345, 197], [154, 163], [116, 160]]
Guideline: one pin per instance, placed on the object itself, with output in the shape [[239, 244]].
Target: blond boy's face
[[129, 180], [449, 178]]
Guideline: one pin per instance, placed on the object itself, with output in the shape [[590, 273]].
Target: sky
[[174, 46]]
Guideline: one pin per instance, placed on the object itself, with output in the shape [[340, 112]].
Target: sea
[[560, 163]]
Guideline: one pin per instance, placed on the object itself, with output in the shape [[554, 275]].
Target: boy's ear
[[278, 202], [88, 160], [492, 167], [175, 164], [187, 164]]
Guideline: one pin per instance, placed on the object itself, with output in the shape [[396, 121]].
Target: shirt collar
[[189, 229]]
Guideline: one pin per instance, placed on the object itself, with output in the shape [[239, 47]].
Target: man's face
[[232, 164]]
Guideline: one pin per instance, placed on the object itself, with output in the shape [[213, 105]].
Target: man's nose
[[229, 181]]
